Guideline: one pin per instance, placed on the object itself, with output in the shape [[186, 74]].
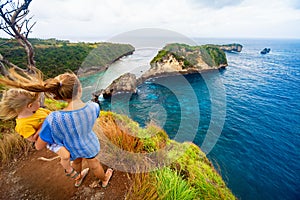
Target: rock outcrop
[[174, 59], [265, 51], [125, 83], [231, 47], [184, 59]]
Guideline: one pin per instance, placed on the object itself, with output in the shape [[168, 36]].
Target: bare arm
[[33, 137], [40, 144]]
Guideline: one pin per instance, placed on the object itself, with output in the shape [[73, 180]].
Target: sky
[[78, 20]]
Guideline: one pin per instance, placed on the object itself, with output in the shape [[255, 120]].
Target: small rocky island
[[185, 59], [174, 59], [125, 83], [231, 47], [265, 51]]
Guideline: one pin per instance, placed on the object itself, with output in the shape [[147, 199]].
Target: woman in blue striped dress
[[70, 127]]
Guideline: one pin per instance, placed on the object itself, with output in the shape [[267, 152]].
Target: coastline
[[142, 79], [96, 69]]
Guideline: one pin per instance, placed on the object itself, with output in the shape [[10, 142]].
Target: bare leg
[[96, 168], [98, 171], [77, 164], [65, 159]]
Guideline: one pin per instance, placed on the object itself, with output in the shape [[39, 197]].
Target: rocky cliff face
[[231, 47], [175, 59], [125, 83], [183, 59], [168, 65]]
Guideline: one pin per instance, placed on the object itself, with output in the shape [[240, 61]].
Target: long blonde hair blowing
[[62, 87], [14, 101]]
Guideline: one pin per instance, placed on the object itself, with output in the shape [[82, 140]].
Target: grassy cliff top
[[166, 169], [211, 54], [178, 170]]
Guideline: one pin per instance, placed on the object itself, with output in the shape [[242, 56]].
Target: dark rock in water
[[265, 51]]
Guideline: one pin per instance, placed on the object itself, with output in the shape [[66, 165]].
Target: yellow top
[[29, 125]]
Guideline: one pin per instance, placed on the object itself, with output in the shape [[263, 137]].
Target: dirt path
[[30, 178]]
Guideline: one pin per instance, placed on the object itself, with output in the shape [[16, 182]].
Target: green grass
[[52, 104], [170, 185], [200, 173], [211, 54], [159, 56], [190, 173]]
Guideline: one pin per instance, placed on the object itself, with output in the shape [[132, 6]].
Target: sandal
[[109, 172], [96, 184], [83, 174], [73, 173]]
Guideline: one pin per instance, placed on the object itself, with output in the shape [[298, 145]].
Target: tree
[[16, 23]]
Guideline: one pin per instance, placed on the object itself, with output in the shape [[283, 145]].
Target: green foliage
[[105, 54], [189, 55], [218, 56], [170, 185], [58, 59], [54, 57], [159, 56], [189, 176], [153, 138], [52, 104], [200, 173]]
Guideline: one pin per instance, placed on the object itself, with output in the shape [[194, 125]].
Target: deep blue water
[[246, 117]]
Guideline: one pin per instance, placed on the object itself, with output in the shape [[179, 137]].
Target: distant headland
[[173, 59]]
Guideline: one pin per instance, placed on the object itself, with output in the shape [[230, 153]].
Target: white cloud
[[79, 20], [217, 4]]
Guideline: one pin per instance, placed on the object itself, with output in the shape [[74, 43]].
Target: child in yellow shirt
[[27, 126], [25, 107]]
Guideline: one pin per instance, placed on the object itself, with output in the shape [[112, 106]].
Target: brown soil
[[30, 178]]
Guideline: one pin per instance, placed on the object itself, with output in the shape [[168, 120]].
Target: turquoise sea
[[246, 117]]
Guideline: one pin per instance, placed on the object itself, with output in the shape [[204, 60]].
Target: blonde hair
[[62, 87], [14, 101]]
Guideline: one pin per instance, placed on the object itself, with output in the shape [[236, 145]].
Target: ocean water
[[246, 117]]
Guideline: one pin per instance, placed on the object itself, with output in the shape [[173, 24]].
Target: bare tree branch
[[14, 23], [4, 61]]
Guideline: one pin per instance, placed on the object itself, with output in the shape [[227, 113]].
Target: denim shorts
[[54, 147]]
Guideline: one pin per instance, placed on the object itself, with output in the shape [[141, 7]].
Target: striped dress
[[73, 130]]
